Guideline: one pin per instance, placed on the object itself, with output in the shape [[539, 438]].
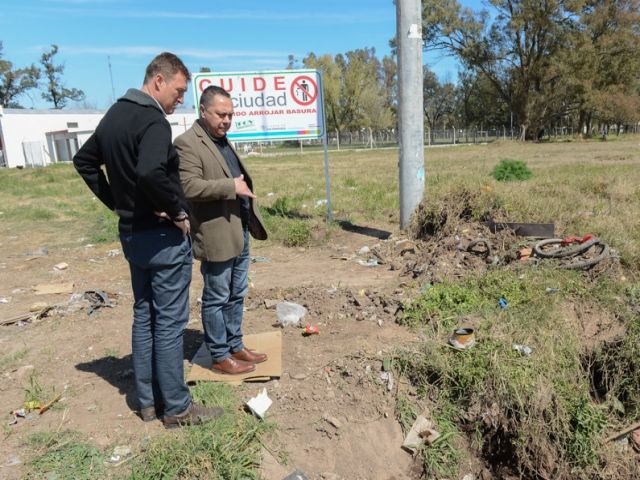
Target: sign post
[[273, 105]]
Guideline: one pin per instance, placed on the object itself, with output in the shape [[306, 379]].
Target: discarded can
[[463, 338], [551, 290], [503, 303]]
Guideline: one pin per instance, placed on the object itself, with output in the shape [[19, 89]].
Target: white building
[[34, 138]]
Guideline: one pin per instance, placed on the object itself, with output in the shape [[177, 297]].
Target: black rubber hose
[[562, 252], [590, 262], [480, 241]]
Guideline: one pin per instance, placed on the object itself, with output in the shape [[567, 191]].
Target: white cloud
[[138, 50], [370, 16]]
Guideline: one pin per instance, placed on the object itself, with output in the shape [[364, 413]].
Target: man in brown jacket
[[223, 209]]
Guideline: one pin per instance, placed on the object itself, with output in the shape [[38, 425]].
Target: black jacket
[[133, 141]]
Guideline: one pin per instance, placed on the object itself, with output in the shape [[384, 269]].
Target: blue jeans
[[160, 262], [225, 286]]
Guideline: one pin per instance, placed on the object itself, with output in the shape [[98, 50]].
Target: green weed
[[9, 360], [406, 413], [509, 170], [442, 458], [105, 228], [64, 455], [297, 233], [227, 447]]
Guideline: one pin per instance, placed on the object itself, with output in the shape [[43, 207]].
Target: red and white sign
[[270, 105]]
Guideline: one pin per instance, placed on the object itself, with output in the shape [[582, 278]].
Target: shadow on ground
[[119, 371], [368, 231]]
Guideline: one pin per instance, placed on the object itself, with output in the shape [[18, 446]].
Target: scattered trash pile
[[33, 409], [476, 247], [294, 307], [90, 300]]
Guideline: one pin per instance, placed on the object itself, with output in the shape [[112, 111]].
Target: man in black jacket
[[142, 186]]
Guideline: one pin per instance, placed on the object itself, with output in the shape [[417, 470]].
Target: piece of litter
[[290, 313], [36, 307], [463, 338], [97, 299], [503, 303], [4, 300], [310, 330], [260, 403], [296, 475], [522, 349], [421, 432], [13, 459], [387, 377], [320, 203], [364, 250], [372, 262], [260, 260], [39, 252], [113, 253], [334, 422], [61, 266], [270, 194], [119, 453], [551, 290]]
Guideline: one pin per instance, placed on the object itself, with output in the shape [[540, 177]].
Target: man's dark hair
[[211, 91], [166, 64]]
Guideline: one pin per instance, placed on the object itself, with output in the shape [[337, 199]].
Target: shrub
[[509, 170]]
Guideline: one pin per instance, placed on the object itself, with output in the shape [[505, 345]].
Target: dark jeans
[[225, 286], [160, 262]]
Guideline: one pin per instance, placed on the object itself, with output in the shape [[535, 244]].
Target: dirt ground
[[333, 407], [335, 415]]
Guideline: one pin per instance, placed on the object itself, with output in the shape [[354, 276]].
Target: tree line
[[15, 81], [532, 65], [546, 62]]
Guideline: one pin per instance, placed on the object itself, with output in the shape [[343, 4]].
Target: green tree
[[390, 83], [478, 103], [515, 50], [56, 92], [15, 81], [438, 100], [359, 90], [602, 67]]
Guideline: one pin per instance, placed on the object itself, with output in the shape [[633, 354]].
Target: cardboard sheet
[[269, 343]]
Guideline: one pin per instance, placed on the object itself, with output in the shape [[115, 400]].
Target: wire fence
[[364, 138]]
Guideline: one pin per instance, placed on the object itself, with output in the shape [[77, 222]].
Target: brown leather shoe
[[148, 414], [231, 366], [249, 356], [194, 415]]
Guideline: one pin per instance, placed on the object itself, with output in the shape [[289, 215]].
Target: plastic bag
[[290, 313]]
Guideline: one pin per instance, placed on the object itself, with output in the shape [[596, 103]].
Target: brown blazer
[[216, 226]]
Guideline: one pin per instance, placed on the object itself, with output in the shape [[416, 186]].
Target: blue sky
[[246, 35]]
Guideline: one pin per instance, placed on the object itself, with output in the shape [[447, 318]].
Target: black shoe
[[194, 415]]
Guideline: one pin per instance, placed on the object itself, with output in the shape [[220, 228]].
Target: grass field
[[540, 417]]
